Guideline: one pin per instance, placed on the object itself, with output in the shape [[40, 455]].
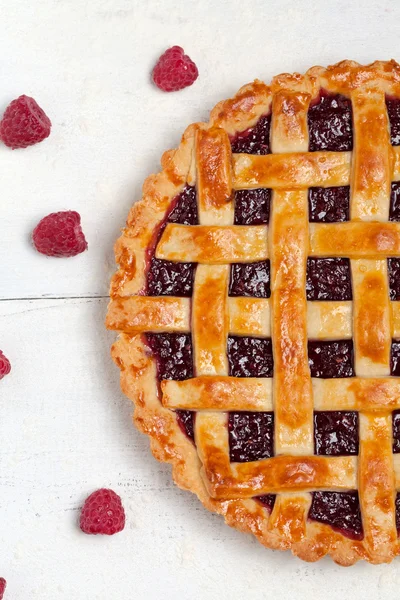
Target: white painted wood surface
[[65, 428]]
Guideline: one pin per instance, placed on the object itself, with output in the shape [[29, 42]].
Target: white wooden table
[[65, 428]]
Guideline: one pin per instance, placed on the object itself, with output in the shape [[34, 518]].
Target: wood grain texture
[[65, 428]]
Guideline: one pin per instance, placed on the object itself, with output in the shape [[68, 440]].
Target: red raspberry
[[174, 70], [102, 513], [3, 584], [60, 234], [5, 368], [24, 123]]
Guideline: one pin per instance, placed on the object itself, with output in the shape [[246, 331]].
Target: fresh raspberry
[[174, 70], [102, 513], [5, 368], [24, 123], [60, 234], [3, 584]]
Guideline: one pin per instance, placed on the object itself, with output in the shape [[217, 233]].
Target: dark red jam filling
[[251, 436], [340, 510], [393, 109], [328, 279], [252, 207], [329, 205], [394, 278], [330, 123], [250, 357], [250, 279], [184, 210], [186, 420], [173, 353], [396, 431], [330, 129], [331, 359], [395, 358], [336, 433], [254, 140], [268, 500], [394, 212], [166, 278], [398, 513]]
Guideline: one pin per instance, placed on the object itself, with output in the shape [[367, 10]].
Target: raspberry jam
[[393, 109], [394, 212], [166, 278], [186, 420], [398, 513], [396, 431], [252, 207], [268, 500], [254, 140], [328, 279], [250, 357], [394, 278], [395, 358], [331, 359], [336, 433], [173, 352], [329, 205], [250, 279], [251, 436], [340, 510]]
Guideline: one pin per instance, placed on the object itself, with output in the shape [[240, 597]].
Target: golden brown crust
[[134, 314], [372, 317], [218, 393], [291, 170], [376, 481], [210, 244], [292, 380], [214, 176], [287, 526], [355, 239], [210, 320]]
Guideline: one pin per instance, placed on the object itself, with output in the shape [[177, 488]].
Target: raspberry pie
[[258, 305]]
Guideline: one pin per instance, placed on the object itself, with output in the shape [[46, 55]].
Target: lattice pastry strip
[[247, 316], [355, 239], [289, 517], [376, 482], [372, 317], [292, 393], [299, 171], [214, 177], [210, 320], [372, 163], [213, 245]]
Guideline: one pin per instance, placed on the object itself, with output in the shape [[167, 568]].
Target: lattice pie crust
[[205, 160]]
